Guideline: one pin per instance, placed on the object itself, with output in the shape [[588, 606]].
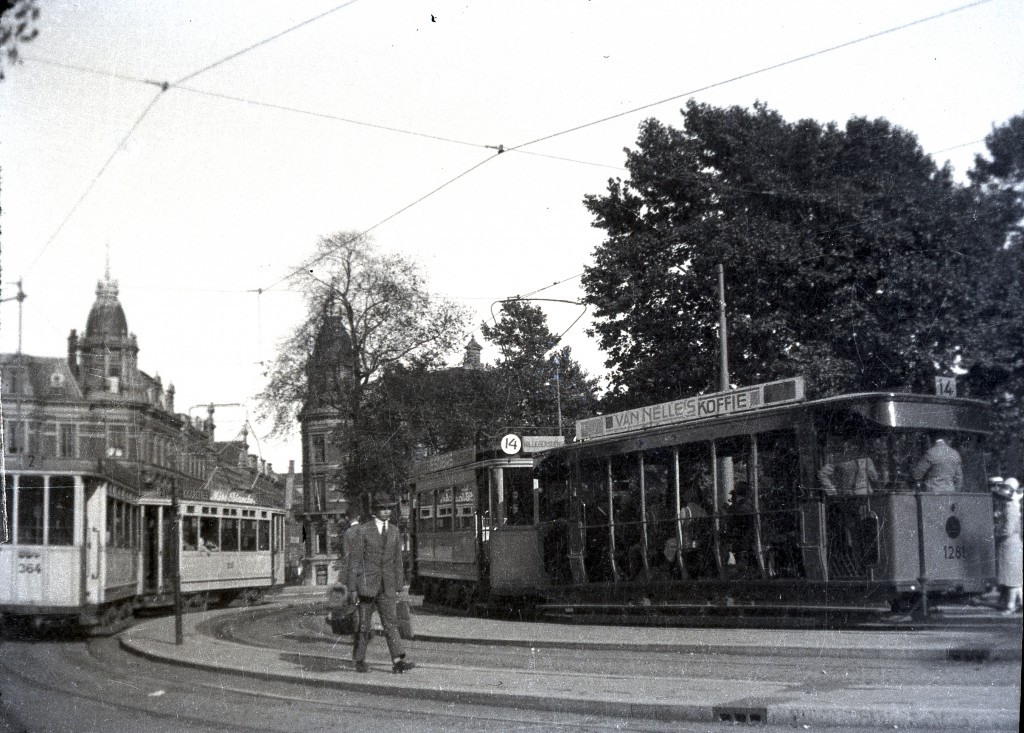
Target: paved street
[[931, 678]]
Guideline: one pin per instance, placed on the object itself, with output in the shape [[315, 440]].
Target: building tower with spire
[[325, 511]]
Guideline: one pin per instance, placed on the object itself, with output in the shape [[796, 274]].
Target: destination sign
[[718, 404], [235, 497], [534, 443]]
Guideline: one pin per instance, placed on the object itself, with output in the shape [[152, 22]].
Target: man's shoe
[[402, 666], [362, 667]]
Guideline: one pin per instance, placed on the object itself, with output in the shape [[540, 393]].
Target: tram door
[[151, 549]]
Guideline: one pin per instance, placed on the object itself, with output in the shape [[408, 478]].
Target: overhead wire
[[164, 86], [756, 72]]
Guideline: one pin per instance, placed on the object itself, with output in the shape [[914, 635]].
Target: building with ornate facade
[[95, 412]]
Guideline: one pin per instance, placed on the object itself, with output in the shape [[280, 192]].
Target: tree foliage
[[536, 380], [850, 257], [998, 339], [18, 20]]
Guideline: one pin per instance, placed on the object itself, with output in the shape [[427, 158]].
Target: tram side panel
[[958, 541], [517, 561]]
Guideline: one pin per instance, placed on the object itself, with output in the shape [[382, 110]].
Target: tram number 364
[[28, 562], [954, 552]]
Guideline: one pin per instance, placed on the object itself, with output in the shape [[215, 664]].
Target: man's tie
[[384, 528]]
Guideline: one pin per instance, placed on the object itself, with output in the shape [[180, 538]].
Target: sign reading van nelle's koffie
[[686, 409]]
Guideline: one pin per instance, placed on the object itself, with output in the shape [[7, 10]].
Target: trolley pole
[[179, 632], [723, 334]]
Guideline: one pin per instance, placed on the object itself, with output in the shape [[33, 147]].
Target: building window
[[319, 448], [14, 436], [68, 434]]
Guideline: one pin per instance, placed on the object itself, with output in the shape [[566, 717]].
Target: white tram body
[[85, 550]]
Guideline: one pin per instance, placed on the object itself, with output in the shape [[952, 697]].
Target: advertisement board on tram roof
[[687, 409]]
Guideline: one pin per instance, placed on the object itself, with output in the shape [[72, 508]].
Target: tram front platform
[[955, 702]]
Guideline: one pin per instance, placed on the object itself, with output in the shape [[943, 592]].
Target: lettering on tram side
[[30, 562], [694, 408]]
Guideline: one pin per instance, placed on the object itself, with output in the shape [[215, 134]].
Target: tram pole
[[179, 632]]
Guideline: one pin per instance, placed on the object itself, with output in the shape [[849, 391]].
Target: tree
[[998, 340], [17, 25], [850, 257], [367, 312], [529, 368]]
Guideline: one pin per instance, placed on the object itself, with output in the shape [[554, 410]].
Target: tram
[[752, 498], [458, 500], [87, 549]]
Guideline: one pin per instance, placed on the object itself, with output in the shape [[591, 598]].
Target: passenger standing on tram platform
[[1009, 547], [940, 468]]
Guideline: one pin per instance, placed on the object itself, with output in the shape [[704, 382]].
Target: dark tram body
[[751, 498]]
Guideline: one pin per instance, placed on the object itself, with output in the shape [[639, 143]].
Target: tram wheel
[[466, 594], [109, 616], [196, 602], [903, 604], [252, 596]]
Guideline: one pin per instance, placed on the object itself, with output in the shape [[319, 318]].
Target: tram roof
[[886, 409]]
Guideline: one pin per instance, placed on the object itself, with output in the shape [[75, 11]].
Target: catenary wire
[[265, 41], [164, 86], [756, 72]]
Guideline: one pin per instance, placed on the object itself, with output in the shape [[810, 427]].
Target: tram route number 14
[[945, 386]]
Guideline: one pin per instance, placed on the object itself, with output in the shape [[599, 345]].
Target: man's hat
[[1000, 488], [382, 501]]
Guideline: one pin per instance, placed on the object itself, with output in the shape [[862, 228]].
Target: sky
[[285, 122]]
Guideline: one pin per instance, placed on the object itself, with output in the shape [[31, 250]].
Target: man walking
[[375, 573]]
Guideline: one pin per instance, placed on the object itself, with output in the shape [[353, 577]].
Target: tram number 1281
[[954, 552]]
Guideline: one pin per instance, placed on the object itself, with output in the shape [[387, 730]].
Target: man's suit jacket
[[376, 560]]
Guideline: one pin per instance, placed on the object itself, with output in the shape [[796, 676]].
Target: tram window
[[553, 476], [209, 532], [518, 496], [778, 469], [974, 458], [734, 471], [425, 512], [444, 510], [61, 510], [229, 535], [30, 510], [8, 535], [111, 521], [248, 538], [660, 496], [465, 517], [263, 535], [189, 533], [593, 491], [696, 475]]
